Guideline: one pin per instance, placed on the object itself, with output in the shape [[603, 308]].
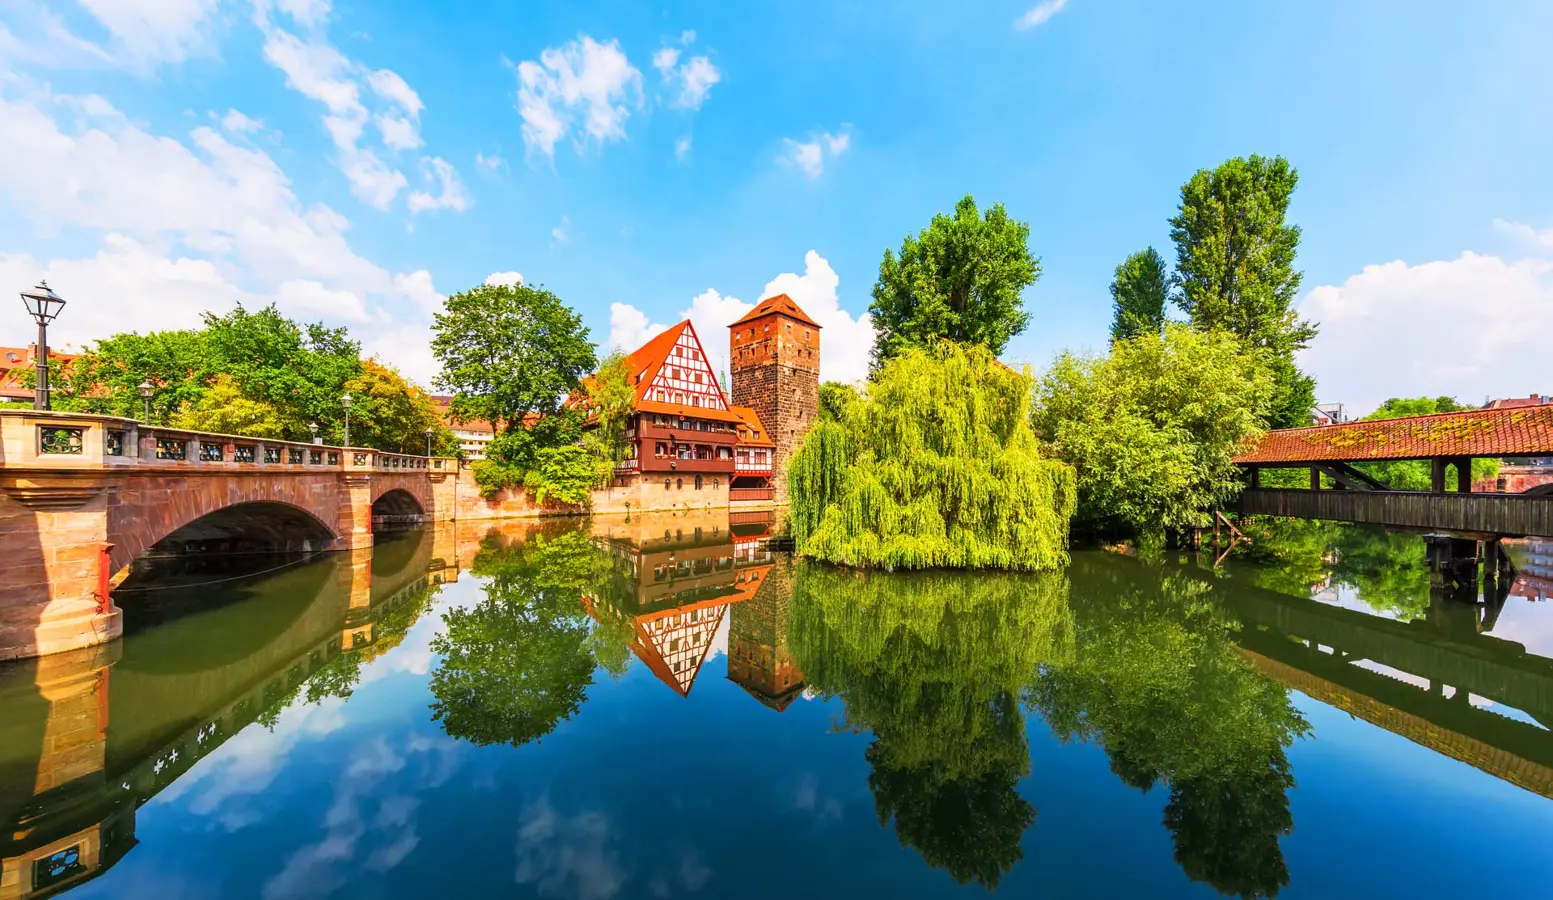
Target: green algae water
[[659, 707]]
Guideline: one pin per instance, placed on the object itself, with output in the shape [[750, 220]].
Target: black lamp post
[[43, 304], [428, 442], [146, 390], [346, 402]]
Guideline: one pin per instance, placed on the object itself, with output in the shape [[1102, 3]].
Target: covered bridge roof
[[1479, 432]]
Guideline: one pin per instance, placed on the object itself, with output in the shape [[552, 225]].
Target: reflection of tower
[[758, 657], [774, 355]]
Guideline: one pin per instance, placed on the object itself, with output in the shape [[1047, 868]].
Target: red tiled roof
[[1517, 402], [649, 358], [751, 421], [687, 411], [780, 304], [1525, 431]]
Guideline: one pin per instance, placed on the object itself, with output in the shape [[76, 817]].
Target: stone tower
[[774, 357]]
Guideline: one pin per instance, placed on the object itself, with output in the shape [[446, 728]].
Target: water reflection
[[1197, 686]]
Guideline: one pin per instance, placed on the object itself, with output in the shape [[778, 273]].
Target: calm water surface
[[658, 708]]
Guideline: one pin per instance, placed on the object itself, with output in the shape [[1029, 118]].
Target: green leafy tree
[[1152, 428], [610, 398], [1139, 293], [223, 409], [516, 664], [509, 351], [934, 664], [937, 468], [835, 398], [1235, 266], [389, 412], [960, 279]]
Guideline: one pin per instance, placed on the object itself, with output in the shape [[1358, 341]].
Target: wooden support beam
[[1464, 474], [1351, 478], [1315, 478], [1437, 475]]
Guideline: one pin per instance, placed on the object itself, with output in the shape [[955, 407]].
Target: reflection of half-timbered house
[[676, 579]]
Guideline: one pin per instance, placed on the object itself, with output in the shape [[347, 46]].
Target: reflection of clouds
[[567, 856], [806, 798], [249, 761], [691, 876], [364, 812], [720, 639], [413, 655]]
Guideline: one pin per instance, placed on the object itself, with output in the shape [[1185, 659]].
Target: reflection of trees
[[1158, 683], [1386, 570], [934, 664], [518, 662]]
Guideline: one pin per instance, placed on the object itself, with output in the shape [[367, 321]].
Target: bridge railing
[[1504, 514], [38, 440]]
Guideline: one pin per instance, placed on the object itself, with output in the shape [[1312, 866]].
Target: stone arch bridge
[[84, 496]]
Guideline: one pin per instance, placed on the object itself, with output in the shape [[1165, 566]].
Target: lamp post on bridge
[[43, 304], [146, 390], [346, 402], [428, 442], [312, 428]]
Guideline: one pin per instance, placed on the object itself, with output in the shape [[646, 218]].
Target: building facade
[[690, 443]]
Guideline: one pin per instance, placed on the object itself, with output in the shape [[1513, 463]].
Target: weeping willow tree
[[937, 467], [935, 664]]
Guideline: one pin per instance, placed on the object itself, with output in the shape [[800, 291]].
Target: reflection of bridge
[[1448, 442], [1421, 680], [84, 496], [92, 749]]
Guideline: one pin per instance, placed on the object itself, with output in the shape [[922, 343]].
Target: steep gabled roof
[[751, 422], [647, 359], [781, 304]]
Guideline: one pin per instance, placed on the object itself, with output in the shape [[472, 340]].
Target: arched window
[[698, 482], [679, 484], [716, 483], [666, 486]]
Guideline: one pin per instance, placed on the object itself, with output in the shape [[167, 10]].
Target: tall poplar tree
[[959, 279], [1138, 295], [1235, 265]]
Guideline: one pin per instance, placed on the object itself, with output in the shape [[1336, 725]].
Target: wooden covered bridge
[[1450, 510]]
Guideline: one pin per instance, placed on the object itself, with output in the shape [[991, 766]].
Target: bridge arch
[[302, 516], [397, 508]]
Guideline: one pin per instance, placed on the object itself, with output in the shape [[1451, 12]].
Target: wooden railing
[[1502, 514]]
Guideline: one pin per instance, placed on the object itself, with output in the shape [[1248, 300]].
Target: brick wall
[[774, 362]]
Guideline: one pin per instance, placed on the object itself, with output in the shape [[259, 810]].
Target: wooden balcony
[[736, 494], [668, 466]]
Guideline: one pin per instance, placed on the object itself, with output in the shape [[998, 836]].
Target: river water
[[659, 708]]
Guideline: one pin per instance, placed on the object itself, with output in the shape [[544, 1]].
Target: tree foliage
[[934, 665], [508, 351], [517, 663], [960, 279], [937, 467], [1235, 265], [389, 412], [223, 409], [1151, 428], [1139, 292], [835, 398]]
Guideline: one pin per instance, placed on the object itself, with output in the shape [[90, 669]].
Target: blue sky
[[646, 162]]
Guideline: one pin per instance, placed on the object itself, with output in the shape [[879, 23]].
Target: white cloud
[[665, 60], [307, 13], [235, 122], [629, 328], [1469, 328], [682, 147], [560, 233], [1526, 234], [845, 341], [154, 31], [688, 84], [583, 88], [318, 71], [1039, 14], [451, 193], [809, 156], [491, 164], [186, 228], [510, 279]]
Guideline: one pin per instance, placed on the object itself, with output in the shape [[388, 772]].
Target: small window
[[666, 486], [716, 483], [679, 484], [698, 483]]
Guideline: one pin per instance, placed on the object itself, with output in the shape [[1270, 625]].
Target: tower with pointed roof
[[774, 360]]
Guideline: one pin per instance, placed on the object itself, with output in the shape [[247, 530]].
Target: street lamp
[[44, 305], [428, 442], [346, 400], [146, 389], [312, 428]]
